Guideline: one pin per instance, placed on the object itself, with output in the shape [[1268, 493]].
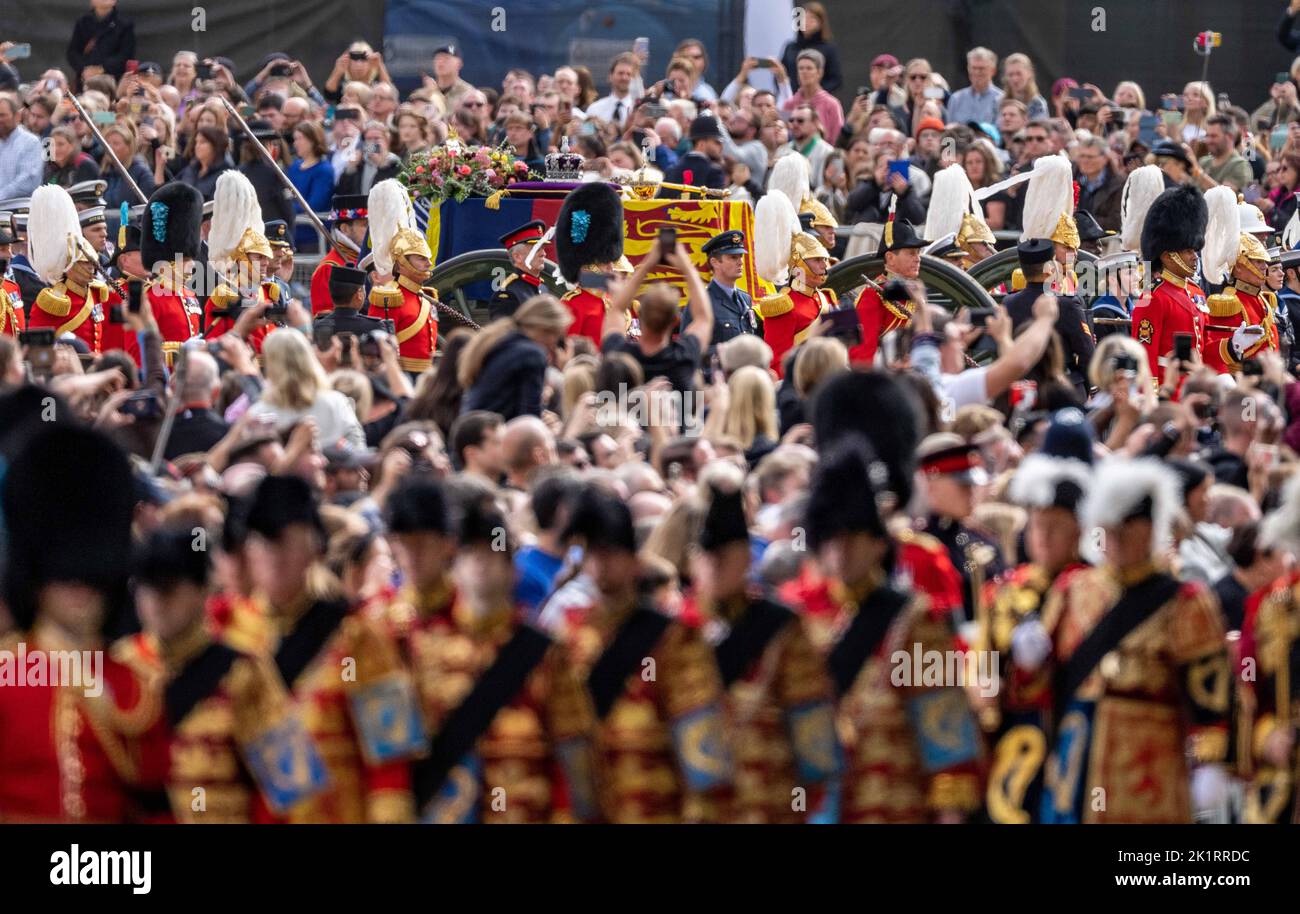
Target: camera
[[282, 69], [1124, 362], [357, 55], [203, 70]]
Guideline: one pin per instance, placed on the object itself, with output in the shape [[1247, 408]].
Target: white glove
[[1210, 788], [1030, 644], [1243, 338]]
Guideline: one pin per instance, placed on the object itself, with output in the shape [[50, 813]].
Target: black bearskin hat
[[589, 230], [1175, 222], [725, 521], [602, 519], [167, 556], [419, 505], [170, 224], [481, 524], [843, 493], [68, 502], [278, 502], [880, 409]]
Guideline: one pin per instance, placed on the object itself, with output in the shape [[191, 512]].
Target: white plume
[[1120, 484], [390, 209], [951, 198], [1222, 234], [790, 176], [1036, 479], [53, 232], [1140, 191], [1281, 528], [1050, 193], [775, 224], [235, 209], [1291, 233]]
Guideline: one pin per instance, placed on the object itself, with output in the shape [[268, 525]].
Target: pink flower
[[490, 174], [419, 169], [463, 170], [520, 165]]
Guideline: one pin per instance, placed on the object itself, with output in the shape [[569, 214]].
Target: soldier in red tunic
[[75, 301], [350, 218], [780, 701], [169, 244], [244, 258], [1241, 320], [12, 318], [401, 252], [901, 248], [126, 260], [69, 736], [1172, 235], [343, 669], [232, 749], [589, 238], [788, 315]]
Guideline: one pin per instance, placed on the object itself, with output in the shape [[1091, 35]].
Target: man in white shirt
[[615, 107], [22, 157]]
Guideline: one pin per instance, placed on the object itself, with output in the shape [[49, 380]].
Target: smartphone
[[132, 66], [40, 336], [19, 52], [667, 241], [933, 92], [1252, 193], [357, 55], [589, 279], [39, 344], [1277, 138], [203, 71], [844, 324], [104, 118], [980, 316], [864, 90], [135, 289], [1171, 104], [347, 114], [1281, 77], [144, 404], [1251, 368], [899, 167], [1183, 347], [641, 46], [1081, 94], [1147, 124]]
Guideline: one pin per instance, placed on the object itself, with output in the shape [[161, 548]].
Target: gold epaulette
[[1017, 279], [389, 295], [223, 296], [925, 541], [54, 300], [575, 291], [272, 291], [774, 305], [1223, 304], [99, 290], [508, 280]]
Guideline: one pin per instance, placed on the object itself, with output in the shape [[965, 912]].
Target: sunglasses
[[1035, 139], [798, 120], [475, 104], [918, 75]]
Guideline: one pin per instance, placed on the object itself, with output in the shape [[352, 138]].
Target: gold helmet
[[974, 230], [1253, 256], [408, 243], [804, 247], [1066, 232], [822, 217], [252, 242]]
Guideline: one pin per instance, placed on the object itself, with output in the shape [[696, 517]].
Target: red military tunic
[[1236, 306], [320, 281], [176, 309], [11, 307], [1174, 306], [588, 310], [66, 756], [788, 315], [222, 298], [119, 336], [878, 317], [415, 318], [69, 308]]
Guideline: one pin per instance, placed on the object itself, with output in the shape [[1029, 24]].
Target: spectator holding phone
[[102, 41], [1281, 107], [1281, 199], [359, 63], [815, 35], [372, 162]]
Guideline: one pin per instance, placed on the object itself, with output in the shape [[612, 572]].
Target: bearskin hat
[[66, 525], [171, 224], [843, 495], [880, 409], [602, 519], [589, 229], [279, 501], [725, 520], [1175, 222]]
